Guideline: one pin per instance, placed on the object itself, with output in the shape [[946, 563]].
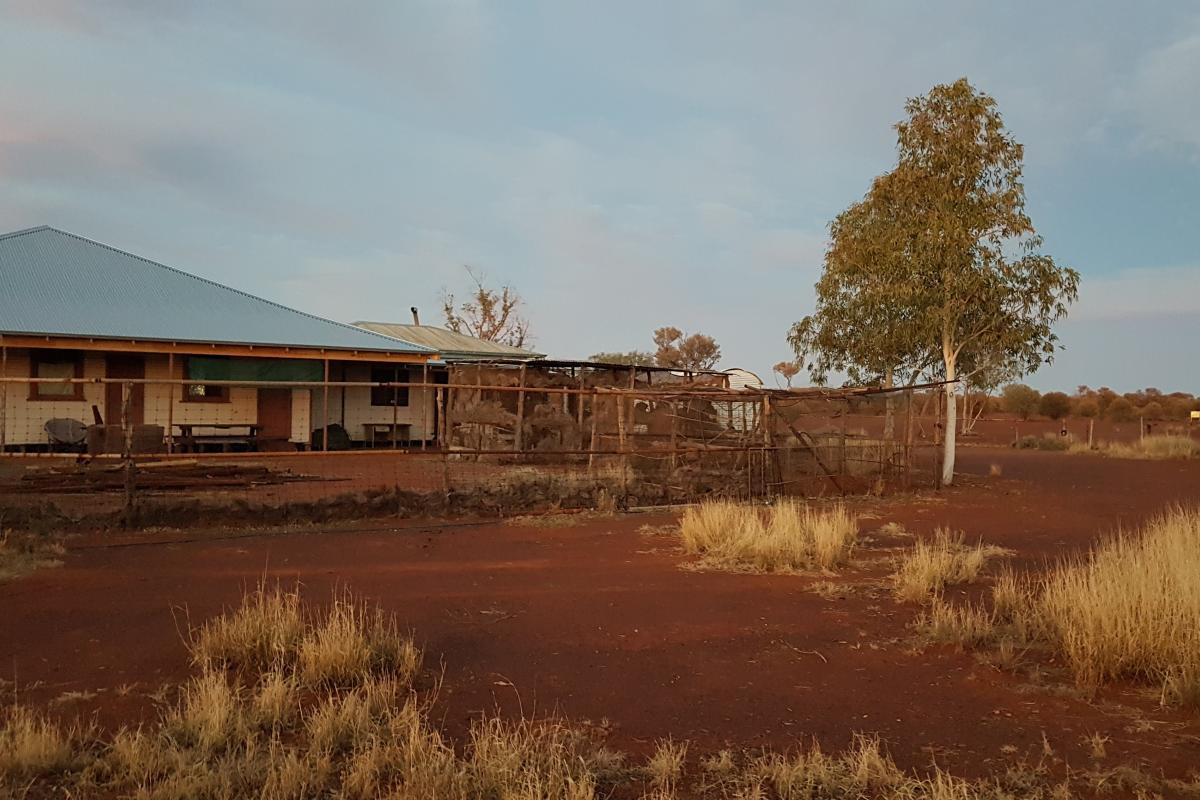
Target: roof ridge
[[208, 281], [23, 231]]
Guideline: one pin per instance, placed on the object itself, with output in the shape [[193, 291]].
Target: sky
[[623, 165]]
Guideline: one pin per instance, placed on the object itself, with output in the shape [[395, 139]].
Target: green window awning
[[206, 368]]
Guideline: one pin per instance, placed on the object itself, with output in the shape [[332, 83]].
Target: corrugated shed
[[453, 346], [59, 284], [740, 416]]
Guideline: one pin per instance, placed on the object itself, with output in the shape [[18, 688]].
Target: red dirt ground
[[598, 621]]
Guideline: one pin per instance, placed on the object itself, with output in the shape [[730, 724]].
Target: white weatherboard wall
[[24, 419], [240, 409], [350, 406]]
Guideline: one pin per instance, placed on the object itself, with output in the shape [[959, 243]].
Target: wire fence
[[141, 452]]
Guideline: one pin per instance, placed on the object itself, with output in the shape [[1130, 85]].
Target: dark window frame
[[389, 396], [39, 357], [221, 392]]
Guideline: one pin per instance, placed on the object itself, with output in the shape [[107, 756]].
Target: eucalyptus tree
[[863, 326], [946, 257]]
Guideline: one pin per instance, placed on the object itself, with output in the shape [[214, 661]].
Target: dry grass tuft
[[332, 716], [31, 746], [270, 632], [786, 537], [665, 766], [264, 630], [21, 554], [934, 564], [1157, 447], [1130, 609], [965, 625]]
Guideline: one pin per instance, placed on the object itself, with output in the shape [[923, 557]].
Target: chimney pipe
[[416, 316]]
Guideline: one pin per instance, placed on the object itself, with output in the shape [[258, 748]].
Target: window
[[389, 395], [205, 393], [60, 365]]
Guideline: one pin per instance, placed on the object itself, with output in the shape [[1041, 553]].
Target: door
[[274, 419], [118, 367]]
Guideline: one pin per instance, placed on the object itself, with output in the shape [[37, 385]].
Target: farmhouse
[[78, 317]]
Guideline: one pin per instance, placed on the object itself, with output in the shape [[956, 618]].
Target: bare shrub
[[945, 560], [786, 537]]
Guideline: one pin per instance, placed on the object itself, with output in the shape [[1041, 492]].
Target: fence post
[[1091, 430], [768, 442], [395, 406], [3, 395], [171, 403], [127, 450], [845, 416], [325, 411], [424, 403], [442, 401], [674, 459], [519, 434], [908, 442], [592, 439], [622, 441]]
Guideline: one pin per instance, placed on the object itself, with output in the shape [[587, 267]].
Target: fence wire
[[173, 452]]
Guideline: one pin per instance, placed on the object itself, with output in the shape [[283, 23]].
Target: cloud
[[624, 166], [1133, 293], [1161, 96]]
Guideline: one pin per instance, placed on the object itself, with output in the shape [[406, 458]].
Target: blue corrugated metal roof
[[59, 284]]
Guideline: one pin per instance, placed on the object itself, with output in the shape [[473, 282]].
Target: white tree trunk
[[951, 412]]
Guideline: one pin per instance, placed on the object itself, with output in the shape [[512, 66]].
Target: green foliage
[[1121, 410], [694, 351], [635, 358], [1086, 407], [1153, 410], [940, 260], [1020, 399], [1055, 405]]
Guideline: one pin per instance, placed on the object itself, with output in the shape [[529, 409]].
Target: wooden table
[[188, 440], [399, 432]]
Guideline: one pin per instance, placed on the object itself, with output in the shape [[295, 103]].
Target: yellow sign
[[1196, 415]]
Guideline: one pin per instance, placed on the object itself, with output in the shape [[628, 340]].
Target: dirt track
[[597, 621]]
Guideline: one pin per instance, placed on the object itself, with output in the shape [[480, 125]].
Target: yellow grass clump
[[945, 560], [1130, 609], [310, 725], [1156, 447], [786, 537], [32, 746], [335, 647], [21, 554]]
